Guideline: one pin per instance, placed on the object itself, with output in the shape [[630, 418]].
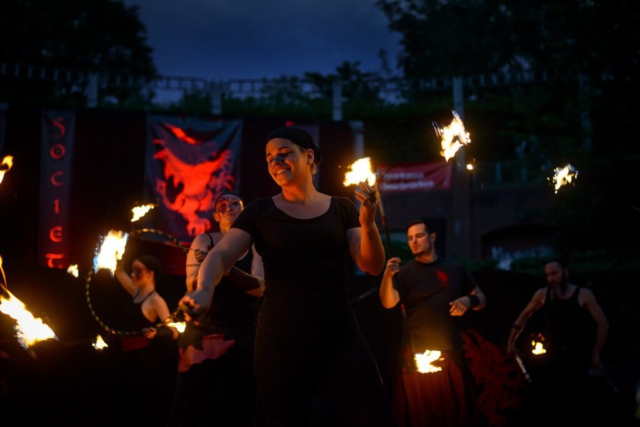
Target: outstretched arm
[[125, 280], [251, 284], [220, 259], [536, 302]]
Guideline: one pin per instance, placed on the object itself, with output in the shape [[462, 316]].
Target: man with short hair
[[570, 315], [434, 293]]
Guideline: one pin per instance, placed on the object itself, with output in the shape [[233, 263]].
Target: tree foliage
[[79, 37]]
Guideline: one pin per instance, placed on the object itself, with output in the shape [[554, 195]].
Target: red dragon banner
[[189, 162]]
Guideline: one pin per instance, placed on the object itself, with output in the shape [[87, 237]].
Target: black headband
[[299, 137], [152, 263]]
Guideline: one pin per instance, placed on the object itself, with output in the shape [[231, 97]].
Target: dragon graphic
[[196, 185]]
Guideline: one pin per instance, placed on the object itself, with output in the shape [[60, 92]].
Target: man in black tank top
[[574, 330]]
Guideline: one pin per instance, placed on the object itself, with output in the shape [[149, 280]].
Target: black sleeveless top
[[134, 319], [569, 329]]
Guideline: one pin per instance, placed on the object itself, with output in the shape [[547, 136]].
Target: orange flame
[[140, 211], [564, 175], [29, 330], [111, 251], [453, 136], [360, 171], [423, 361], [5, 166]]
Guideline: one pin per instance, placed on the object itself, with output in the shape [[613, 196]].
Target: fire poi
[[452, 136], [563, 176], [29, 329]]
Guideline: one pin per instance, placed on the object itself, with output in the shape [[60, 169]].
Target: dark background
[[68, 380]]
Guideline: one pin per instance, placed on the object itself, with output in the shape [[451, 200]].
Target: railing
[[391, 89]]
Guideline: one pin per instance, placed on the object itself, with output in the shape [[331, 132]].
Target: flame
[[5, 166], [111, 251], [179, 326], [29, 330], [564, 175], [140, 211], [538, 348], [73, 270], [423, 361], [360, 171], [456, 131], [99, 343]]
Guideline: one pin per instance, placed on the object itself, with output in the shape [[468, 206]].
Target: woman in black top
[[308, 337]]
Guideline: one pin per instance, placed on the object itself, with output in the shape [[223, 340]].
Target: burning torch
[[361, 171]]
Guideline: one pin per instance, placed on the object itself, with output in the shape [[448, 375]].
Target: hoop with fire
[[109, 252]]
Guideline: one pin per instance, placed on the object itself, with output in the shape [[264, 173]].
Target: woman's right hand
[[195, 303]]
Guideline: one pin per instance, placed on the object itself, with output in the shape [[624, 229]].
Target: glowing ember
[[360, 171], [564, 175], [469, 167], [453, 136], [140, 211], [6, 164], [99, 343], [538, 348], [73, 270], [424, 361], [111, 251], [29, 330]]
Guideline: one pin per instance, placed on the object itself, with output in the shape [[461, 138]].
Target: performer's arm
[[602, 323], [389, 295], [536, 302]]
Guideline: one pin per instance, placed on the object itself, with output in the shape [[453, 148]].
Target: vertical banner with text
[[58, 129]]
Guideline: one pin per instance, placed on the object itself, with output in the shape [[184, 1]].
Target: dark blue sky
[[225, 39]]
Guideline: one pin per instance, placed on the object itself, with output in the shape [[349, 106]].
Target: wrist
[[474, 301]]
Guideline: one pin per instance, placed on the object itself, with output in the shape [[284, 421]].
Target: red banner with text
[[414, 177], [57, 137]]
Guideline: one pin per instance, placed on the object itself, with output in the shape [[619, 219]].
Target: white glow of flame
[[452, 137], [179, 326], [469, 167], [564, 175], [538, 348], [6, 164], [111, 250], [360, 171], [73, 270], [423, 361], [99, 343], [29, 330], [140, 211]]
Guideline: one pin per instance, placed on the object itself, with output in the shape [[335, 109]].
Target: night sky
[[252, 39]]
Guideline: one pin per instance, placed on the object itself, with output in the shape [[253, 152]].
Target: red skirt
[[445, 398]]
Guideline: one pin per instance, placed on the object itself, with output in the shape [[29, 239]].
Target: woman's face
[[228, 207], [140, 273], [287, 160]]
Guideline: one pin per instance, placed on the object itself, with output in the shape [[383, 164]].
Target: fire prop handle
[[523, 368]]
